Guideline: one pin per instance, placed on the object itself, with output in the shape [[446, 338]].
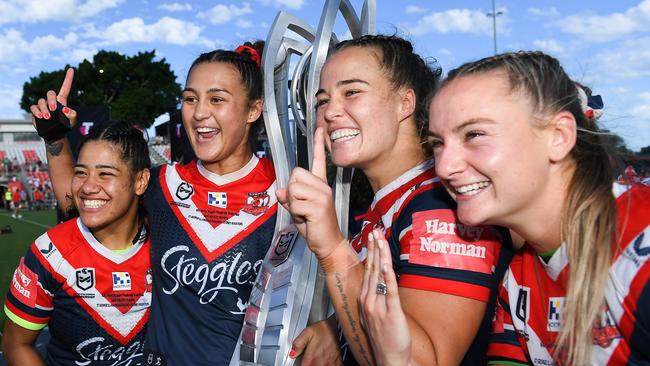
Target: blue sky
[[604, 44]]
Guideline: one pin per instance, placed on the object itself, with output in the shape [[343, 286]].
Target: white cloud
[[10, 101], [244, 23], [84, 53], [642, 108], [414, 9], [457, 20], [603, 28], [173, 7], [629, 60], [549, 45], [33, 11], [291, 4], [93, 7], [220, 14], [544, 12], [165, 30], [14, 47]]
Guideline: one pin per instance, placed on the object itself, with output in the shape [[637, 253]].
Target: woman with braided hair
[[212, 219], [516, 144], [372, 115]]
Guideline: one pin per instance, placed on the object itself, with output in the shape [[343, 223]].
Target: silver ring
[[382, 289]]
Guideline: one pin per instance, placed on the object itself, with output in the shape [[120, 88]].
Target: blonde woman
[[516, 144]]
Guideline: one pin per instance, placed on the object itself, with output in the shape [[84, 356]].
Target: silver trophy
[[289, 294]]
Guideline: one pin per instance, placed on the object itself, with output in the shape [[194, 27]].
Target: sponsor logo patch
[[48, 251], [85, 278], [218, 199], [24, 284], [440, 240], [121, 281], [555, 306]]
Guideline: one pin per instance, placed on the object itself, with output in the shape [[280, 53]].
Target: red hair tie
[[251, 51]]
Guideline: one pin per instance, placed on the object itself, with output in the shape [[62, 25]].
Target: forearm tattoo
[[353, 324], [54, 148]]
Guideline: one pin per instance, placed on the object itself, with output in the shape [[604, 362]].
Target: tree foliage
[[136, 88]]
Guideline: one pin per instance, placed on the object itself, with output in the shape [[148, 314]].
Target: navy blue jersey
[[95, 301], [432, 250], [209, 235]]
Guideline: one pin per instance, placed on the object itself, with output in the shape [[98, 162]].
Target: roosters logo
[[257, 203]]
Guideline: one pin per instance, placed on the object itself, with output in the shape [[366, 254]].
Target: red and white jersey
[[95, 301], [431, 249], [532, 296]]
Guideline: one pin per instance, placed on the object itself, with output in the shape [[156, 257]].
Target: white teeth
[[206, 129], [471, 189], [344, 133], [94, 203]]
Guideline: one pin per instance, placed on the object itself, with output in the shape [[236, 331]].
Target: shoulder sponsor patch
[[440, 240], [24, 284]]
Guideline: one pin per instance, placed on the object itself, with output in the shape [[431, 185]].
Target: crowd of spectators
[[28, 186]]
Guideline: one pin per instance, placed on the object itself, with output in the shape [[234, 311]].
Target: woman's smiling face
[[489, 153]]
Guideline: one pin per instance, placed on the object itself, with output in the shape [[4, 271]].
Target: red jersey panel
[[531, 299], [432, 250], [95, 301]]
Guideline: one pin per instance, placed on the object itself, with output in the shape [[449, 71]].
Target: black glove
[[56, 127]]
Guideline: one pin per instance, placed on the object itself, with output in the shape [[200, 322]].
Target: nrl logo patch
[[85, 278], [184, 191]]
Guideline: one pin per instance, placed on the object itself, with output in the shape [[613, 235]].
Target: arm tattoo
[[54, 148], [353, 324]]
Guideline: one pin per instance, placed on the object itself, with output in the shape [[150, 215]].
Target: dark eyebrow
[[343, 82], [211, 90], [100, 166]]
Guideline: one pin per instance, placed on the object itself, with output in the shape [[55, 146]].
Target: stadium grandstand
[[23, 160]]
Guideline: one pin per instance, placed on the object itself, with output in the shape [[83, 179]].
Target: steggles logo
[[210, 278]]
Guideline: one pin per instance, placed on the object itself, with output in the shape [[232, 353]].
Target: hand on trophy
[[380, 306], [309, 199], [318, 344], [51, 117]]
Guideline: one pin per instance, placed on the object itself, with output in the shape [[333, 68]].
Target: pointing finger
[[319, 165], [64, 92]]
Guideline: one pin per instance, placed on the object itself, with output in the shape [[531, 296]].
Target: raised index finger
[[62, 97], [319, 165]]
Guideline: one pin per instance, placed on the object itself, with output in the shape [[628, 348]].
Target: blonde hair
[[589, 214]]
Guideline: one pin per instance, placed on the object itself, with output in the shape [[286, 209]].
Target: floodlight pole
[[494, 15]]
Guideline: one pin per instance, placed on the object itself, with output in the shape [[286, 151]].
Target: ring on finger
[[382, 289]]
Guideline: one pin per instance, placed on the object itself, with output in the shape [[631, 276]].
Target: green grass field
[[13, 246]]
